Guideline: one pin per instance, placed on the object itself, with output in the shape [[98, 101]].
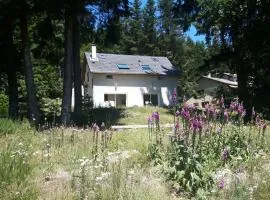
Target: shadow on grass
[[110, 116]]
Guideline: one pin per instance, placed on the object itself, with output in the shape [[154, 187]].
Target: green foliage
[[3, 105], [185, 168], [51, 108]]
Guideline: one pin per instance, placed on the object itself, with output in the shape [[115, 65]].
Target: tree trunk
[[77, 71], [33, 110], [68, 62], [12, 92], [11, 69]]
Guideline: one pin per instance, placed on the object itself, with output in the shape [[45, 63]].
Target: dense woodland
[[42, 45]]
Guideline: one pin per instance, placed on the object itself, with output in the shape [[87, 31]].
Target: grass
[[61, 164], [129, 116], [138, 115], [65, 163]]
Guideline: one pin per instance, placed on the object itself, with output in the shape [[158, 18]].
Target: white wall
[[134, 86]]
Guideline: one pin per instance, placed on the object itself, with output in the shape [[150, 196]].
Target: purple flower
[[221, 183], [225, 154], [155, 116], [222, 102], [233, 106], [177, 113], [263, 126], [177, 126], [174, 96], [196, 123], [185, 113], [241, 111], [226, 115], [149, 119]]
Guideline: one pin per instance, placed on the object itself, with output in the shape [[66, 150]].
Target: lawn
[[130, 116]]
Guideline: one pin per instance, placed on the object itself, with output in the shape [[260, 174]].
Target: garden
[[209, 154]]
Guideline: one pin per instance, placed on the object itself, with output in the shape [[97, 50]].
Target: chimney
[[94, 52]]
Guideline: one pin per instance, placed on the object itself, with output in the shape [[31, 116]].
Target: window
[[115, 100], [146, 68], [150, 99], [109, 77], [122, 66]]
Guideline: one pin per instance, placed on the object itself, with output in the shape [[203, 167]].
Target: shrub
[[3, 105]]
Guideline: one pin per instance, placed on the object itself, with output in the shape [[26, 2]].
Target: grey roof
[[107, 63]]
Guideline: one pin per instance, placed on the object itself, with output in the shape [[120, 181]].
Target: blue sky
[[192, 34]]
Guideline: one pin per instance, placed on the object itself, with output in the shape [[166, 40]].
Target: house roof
[[109, 63], [224, 81]]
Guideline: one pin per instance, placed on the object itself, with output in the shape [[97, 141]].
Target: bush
[[3, 105]]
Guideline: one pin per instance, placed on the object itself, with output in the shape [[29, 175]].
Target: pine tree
[[133, 34], [149, 28]]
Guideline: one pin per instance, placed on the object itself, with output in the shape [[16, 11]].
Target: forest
[[42, 45]]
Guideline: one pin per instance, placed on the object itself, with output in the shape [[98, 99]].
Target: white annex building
[[128, 80]]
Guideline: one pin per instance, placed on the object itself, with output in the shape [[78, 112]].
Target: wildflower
[[226, 115], [177, 126], [155, 116], [233, 106], [240, 109], [95, 127], [225, 154], [185, 113], [263, 126], [221, 183], [174, 96], [177, 113], [196, 123], [222, 102]]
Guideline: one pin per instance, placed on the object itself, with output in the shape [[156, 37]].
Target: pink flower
[[174, 96], [177, 113], [185, 113], [177, 126], [221, 184], [155, 116], [222, 102], [226, 115], [196, 123]]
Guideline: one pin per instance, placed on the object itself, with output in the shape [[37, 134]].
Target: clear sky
[[192, 34]]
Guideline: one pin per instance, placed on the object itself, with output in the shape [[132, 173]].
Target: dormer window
[[146, 68], [122, 66]]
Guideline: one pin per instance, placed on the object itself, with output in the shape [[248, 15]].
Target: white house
[[209, 84], [128, 80]]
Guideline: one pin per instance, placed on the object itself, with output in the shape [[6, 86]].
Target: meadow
[[208, 155]]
